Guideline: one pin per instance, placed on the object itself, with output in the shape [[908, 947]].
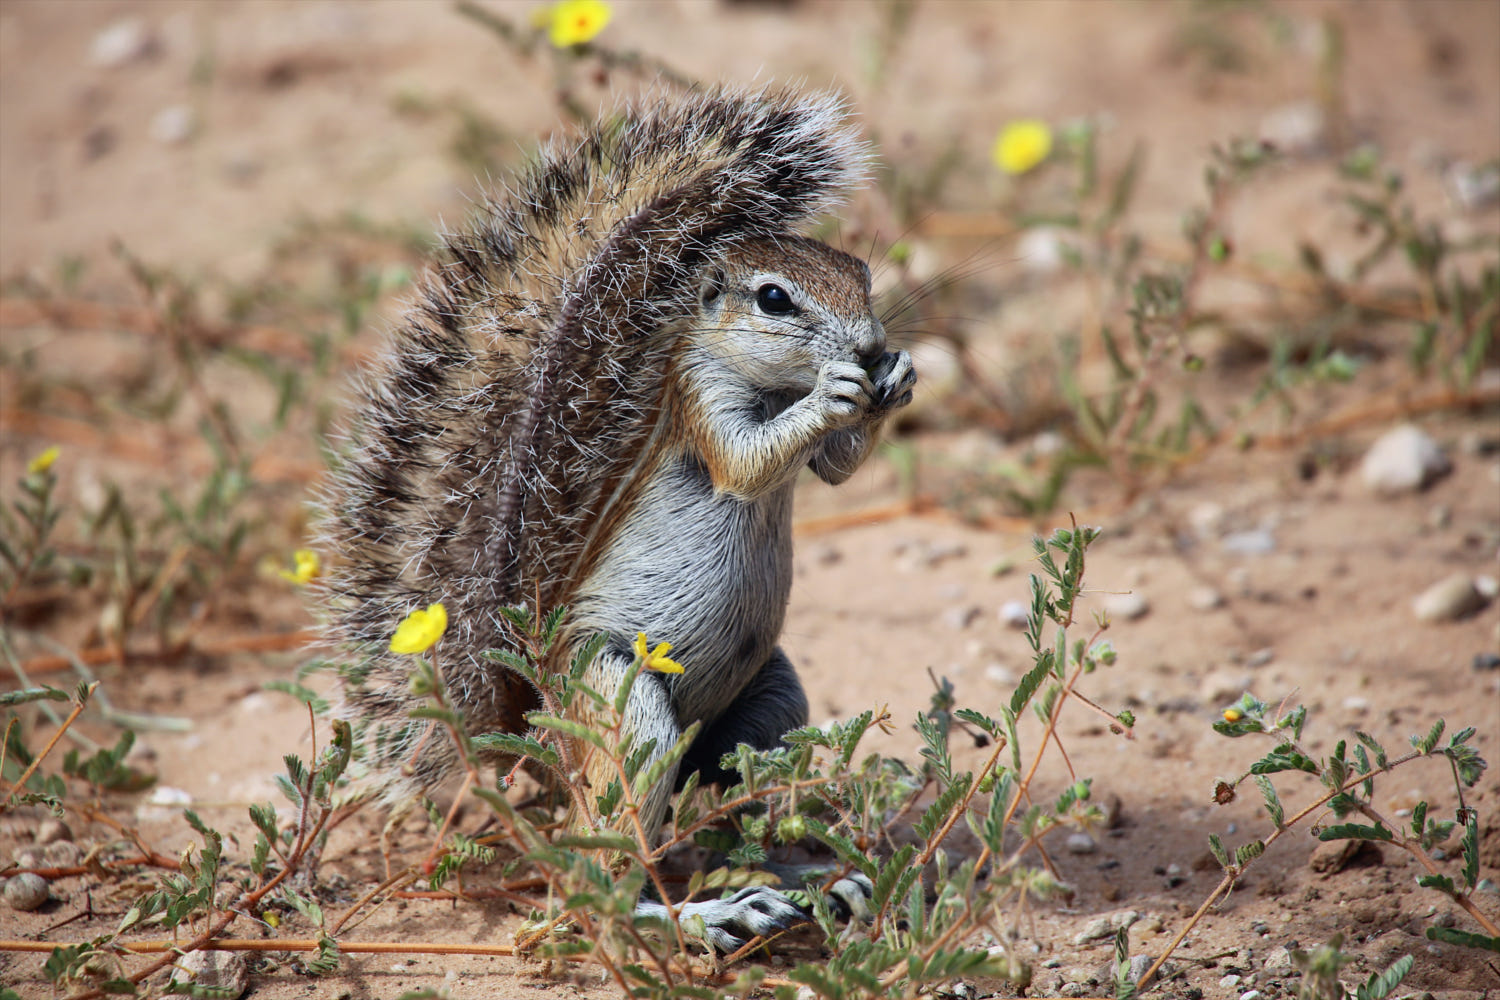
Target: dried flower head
[[420, 629]]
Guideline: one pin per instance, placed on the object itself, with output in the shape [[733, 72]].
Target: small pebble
[[1332, 855], [62, 854], [25, 891], [1486, 661], [215, 970], [1474, 187], [1255, 542], [51, 830], [1127, 606], [1205, 599], [1230, 981], [1106, 926], [1014, 614], [123, 42], [1223, 686], [1448, 600], [1207, 519], [1403, 460], [1297, 129], [1279, 960], [1488, 587], [174, 125], [1041, 249], [1080, 843], [960, 618], [939, 552], [1260, 657], [1354, 703], [999, 674], [1250, 995]]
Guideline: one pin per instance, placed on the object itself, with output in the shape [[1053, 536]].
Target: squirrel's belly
[[708, 573]]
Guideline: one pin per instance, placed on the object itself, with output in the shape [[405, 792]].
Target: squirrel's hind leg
[[772, 703]]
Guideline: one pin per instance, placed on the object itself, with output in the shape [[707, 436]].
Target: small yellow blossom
[[656, 659], [44, 461], [420, 629], [1022, 145], [305, 568], [1233, 715], [574, 22]]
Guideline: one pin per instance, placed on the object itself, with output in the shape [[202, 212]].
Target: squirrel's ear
[[712, 285]]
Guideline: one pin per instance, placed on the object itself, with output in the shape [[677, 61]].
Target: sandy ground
[[300, 112]]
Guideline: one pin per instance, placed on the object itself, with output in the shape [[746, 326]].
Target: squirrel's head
[[775, 310]]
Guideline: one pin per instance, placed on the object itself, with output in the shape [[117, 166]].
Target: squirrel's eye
[[773, 299]]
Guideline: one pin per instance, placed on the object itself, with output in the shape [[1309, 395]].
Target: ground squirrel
[[602, 400]]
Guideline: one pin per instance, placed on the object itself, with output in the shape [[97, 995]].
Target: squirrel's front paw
[[843, 393], [893, 377]]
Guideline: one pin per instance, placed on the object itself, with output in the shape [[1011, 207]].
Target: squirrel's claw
[[894, 377]]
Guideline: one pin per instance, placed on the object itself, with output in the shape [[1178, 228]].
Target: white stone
[[123, 42], [1255, 542], [174, 125], [1205, 599], [218, 970], [1106, 926], [1080, 843], [1450, 599], [1127, 606], [1474, 187], [1298, 129], [1402, 460], [1042, 250], [26, 891], [998, 674], [1207, 519], [1014, 614]]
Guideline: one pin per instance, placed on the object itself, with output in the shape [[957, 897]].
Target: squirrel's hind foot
[[760, 911]]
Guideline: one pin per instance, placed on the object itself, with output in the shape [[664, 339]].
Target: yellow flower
[[44, 461], [1233, 715], [420, 629], [1022, 145], [305, 568], [656, 659], [574, 22]]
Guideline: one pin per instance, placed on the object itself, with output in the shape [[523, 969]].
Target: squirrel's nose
[[871, 346]]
